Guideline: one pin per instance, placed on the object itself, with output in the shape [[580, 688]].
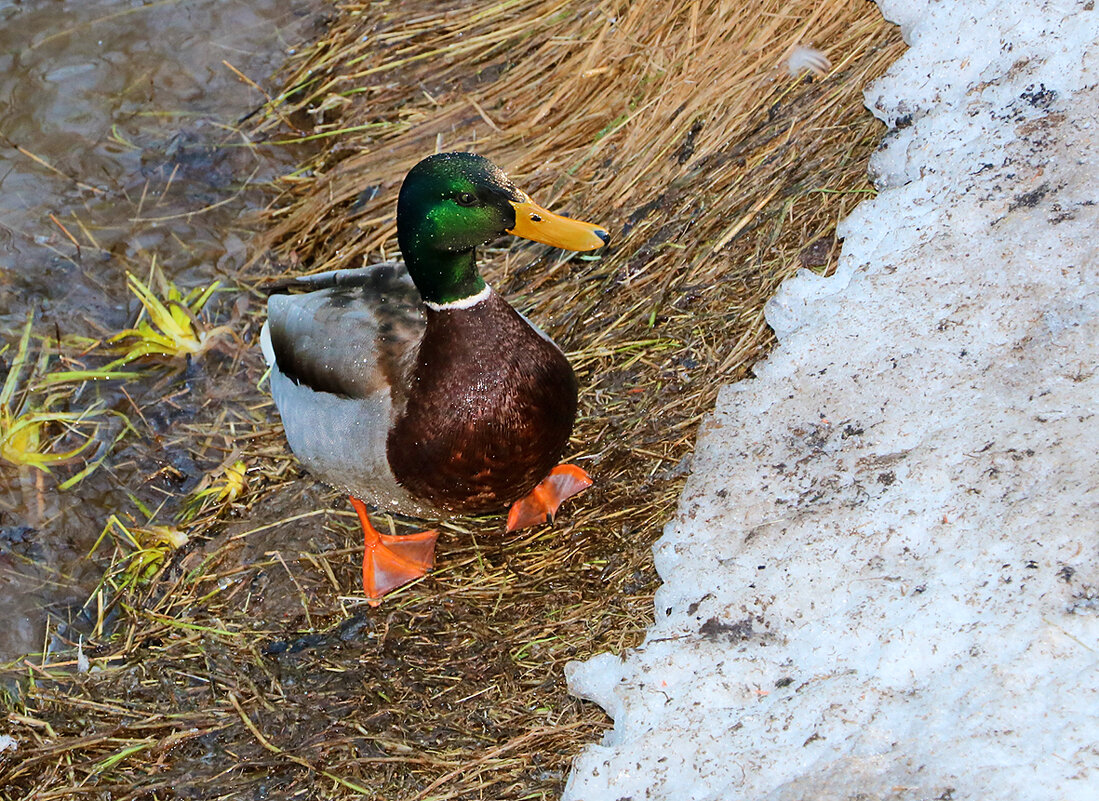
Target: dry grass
[[248, 667]]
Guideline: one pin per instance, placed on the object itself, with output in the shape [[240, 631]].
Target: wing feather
[[352, 339]]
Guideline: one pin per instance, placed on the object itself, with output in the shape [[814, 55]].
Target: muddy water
[[120, 144]]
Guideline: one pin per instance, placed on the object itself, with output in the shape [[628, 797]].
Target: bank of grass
[[248, 666]]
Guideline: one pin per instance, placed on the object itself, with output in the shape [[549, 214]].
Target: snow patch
[[883, 577]]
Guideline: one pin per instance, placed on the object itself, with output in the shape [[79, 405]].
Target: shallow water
[[120, 145]]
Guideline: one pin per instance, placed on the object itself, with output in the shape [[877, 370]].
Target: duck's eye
[[467, 199]]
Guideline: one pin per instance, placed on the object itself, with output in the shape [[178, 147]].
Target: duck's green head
[[452, 202]]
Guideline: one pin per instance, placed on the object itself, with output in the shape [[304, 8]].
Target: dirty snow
[[883, 578]]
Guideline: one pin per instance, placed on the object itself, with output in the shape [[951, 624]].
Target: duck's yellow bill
[[536, 223]]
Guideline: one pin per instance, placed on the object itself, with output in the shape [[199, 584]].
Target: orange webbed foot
[[541, 504], [390, 561]]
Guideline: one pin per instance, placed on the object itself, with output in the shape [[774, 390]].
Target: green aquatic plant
[[34, 433], [139, 551], [171, 328], [222, 487]]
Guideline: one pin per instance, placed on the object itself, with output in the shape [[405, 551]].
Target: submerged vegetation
[[140, 552], [171, 327], [34, 431], [231, 653], [219, 488]]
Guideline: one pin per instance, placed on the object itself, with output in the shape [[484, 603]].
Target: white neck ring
[[461, 303]]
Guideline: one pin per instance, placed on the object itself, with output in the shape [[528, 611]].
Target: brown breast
[[488, 413]]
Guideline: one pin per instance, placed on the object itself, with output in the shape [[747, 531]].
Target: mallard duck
[[417, 389]]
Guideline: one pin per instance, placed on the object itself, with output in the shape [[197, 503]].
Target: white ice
[[882, 581]]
